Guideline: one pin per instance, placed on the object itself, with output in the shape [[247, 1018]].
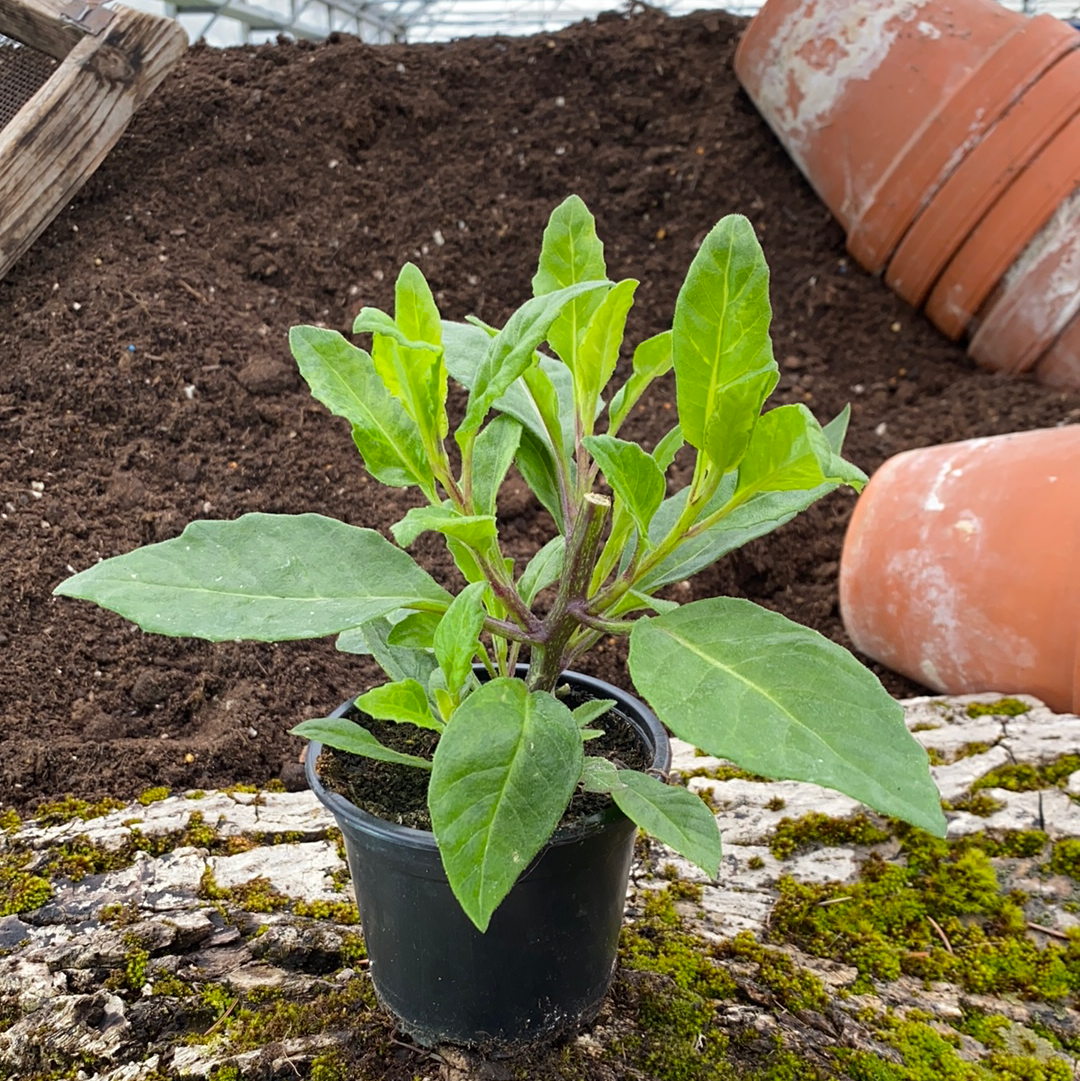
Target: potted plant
[[499, 924]]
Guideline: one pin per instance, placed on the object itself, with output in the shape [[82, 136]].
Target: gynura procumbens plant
[[730, 677]]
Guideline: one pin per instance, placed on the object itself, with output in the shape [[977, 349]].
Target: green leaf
[[398, 662], [591, 710], [473, 529], [672, 815], [504, 771], [415, 631], [538, 471], [720, 333], [457, 636], [633, 601], [598, 774], [634, 476], [352, 738], [466, 347], [262, 577], [665, 451], [465, 560], [748, 685], [493, 454], [543, 570], [781, 455], [407, 352], [513, 349], [599, 351], [730, 428], [652, 359], [344, 379], [404, 701], [571, 253], [759, 515]]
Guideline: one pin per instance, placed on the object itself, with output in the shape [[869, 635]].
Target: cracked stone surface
[[76, 979]]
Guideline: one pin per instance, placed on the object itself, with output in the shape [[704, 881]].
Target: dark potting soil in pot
[[146, 379], [398, 793]]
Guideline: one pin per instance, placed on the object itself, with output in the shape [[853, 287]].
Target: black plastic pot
[[544, 965]]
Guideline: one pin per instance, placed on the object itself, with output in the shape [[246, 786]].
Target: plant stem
[[582, 546]]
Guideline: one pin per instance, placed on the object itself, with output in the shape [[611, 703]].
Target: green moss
[[338, 911], [120, 915], [724, 773], [69, 808], [20, 890], [153, 795], [1065, 858], [792, 987], [132, 976], [1003, 707], [776, 804], [9, 821], [755, 863], [942, 916], [925, 726], [977, 803], [195, 793], [794, 834], [1021, 777], [328, 1067], [353, 950], [254, 896]]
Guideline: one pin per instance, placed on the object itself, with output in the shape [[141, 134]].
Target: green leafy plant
[[734, 679]]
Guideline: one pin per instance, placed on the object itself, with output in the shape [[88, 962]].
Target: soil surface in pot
[[398, 793], [146, 379]]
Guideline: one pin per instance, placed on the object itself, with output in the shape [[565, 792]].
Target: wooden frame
[[111, 60]]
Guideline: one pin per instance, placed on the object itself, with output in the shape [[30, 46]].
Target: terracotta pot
[[1005, 230], [1037, 298], [1060, 366], [959, 567], [872, 101], [987, 170]]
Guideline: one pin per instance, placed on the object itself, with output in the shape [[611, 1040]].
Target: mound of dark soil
[[146, 380]]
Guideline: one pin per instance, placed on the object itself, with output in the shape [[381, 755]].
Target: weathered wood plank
[[63, 133], [39, 23]]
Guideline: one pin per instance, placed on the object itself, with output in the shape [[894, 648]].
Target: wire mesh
[[23, 72]]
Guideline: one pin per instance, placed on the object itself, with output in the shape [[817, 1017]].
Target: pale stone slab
[[301, 871]]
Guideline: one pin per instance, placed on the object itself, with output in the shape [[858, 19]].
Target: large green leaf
[[730, 428], [263, 577], [571, 253], [404, 701], [634, 476], [353, 738], [457, 636], [504, 771], [512, 350], [720, 333], [778, 699], [344, 379]]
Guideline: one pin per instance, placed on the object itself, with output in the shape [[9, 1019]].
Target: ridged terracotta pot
[[961, 566], [1060, 364], [981, 177], [876, 102], [1005, 230], [1036, 299]]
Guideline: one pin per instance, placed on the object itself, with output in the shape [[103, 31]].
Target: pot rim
[[650, 728]]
